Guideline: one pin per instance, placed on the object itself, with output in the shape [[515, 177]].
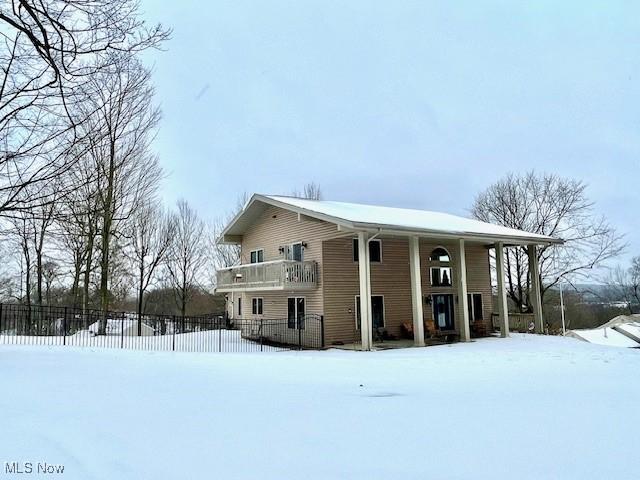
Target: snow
[[119, 326], [527, 407], [404, 218], [604, 336], [631, 329], [207, 341]]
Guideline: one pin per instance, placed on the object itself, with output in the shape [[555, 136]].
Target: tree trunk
[[140, 297], [87, 273], [107, 220]]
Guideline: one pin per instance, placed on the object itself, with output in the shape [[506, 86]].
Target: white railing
[[279, 274]]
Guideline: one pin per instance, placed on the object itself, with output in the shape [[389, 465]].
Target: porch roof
[[386, 220]]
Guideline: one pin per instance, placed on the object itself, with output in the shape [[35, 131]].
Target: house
[[427, 271]]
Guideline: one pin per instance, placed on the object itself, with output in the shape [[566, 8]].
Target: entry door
[[443, 311], [377, 311], [296, 312]]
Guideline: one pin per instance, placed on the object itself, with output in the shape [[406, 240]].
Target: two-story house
[[426, 270]]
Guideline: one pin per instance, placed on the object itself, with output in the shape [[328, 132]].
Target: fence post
[[322, 331], [219, 334], [122, 331], [0, 318], [261, 334], [299, 335], [64, 327], [173, 347]]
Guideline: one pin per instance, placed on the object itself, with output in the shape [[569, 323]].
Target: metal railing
[[66, 326], [518, 322], [275, 275]]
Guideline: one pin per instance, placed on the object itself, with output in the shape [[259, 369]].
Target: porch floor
[[391, 344]]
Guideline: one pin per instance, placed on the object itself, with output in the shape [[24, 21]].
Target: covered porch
[[428, 330]]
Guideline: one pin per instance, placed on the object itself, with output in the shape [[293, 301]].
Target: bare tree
[[187, 254], [223, 255], [119, 132], [150, 232], [623, 284], [548, 205], [78, 226], [311, 191], [50, 273], [49, 49]]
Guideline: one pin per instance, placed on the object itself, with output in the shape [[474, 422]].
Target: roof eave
[[519, 240]]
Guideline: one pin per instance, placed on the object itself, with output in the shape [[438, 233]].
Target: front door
[[377, 311], [443, 311]]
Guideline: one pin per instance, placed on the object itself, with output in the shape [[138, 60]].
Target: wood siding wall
[[275, 228], [390, 278]]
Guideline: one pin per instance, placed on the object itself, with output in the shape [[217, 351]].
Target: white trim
[[440, 261], [290, 245], [384, 311], [241, 265], [296, 310], [353, 250], [384, 228], [261, 305], [433, 306], [450, 277], [256, 250]]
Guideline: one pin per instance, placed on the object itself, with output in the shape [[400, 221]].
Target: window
[[294, 252], [257, 256], [474, 301], [295, 312], [440, 255], [441, 276], [256, 306], [375, 250], [377, 311], [239, 306]]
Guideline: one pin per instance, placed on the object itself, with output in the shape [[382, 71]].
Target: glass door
[[443, 311]]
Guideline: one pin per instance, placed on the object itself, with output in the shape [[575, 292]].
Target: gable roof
[[389, 220]]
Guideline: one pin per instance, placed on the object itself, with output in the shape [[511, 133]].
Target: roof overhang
[[258, 204]]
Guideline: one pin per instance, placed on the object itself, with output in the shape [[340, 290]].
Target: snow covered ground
[[527, 407], [206, 341]]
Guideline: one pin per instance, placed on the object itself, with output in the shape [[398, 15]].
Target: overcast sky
[[412, 104]]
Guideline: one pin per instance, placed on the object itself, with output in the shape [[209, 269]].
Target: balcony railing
[[275, 275]]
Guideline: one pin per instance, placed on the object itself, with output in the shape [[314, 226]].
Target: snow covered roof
[[622, 319], [604, 336], [389, 219]]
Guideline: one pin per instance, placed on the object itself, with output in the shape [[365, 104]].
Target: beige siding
[[478, 276], [275, 228], [390, 278], [338, 283]]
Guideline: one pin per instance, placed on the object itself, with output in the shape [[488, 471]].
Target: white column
[[535, 296], [463, 306], [503, 308], [416, 291], [366, 322]]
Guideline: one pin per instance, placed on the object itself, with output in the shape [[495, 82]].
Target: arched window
[[440, 275], [440, 255]]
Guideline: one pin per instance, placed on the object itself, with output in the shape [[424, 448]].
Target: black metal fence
[[52, 325]]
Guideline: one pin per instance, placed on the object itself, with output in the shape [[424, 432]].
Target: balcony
[[276, 275]]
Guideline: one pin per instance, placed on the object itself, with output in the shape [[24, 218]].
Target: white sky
[[411, 104]]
